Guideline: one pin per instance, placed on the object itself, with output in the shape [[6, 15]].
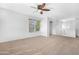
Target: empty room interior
[[39, 28]]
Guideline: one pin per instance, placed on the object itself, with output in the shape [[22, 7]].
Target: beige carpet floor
[[54, 45]]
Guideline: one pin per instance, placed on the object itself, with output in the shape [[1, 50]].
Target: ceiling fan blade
[[41, 12], [43, 5], [45, 9]]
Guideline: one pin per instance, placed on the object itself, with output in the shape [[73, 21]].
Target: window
[[34, 25]]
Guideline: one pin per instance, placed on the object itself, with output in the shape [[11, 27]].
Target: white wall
[[44, 26], [57, 28], [69, 28], [77, 26], [13, 26]]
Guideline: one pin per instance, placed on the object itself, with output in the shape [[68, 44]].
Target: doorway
[[50, 27]]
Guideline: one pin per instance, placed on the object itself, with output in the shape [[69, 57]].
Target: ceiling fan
[[41, 7]]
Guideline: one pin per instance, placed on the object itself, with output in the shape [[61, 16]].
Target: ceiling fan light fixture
[[42, 8], [41, 12]]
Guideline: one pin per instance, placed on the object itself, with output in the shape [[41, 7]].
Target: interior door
[[50, 27]]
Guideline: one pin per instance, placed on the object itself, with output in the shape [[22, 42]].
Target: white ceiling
[[60, 10]]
